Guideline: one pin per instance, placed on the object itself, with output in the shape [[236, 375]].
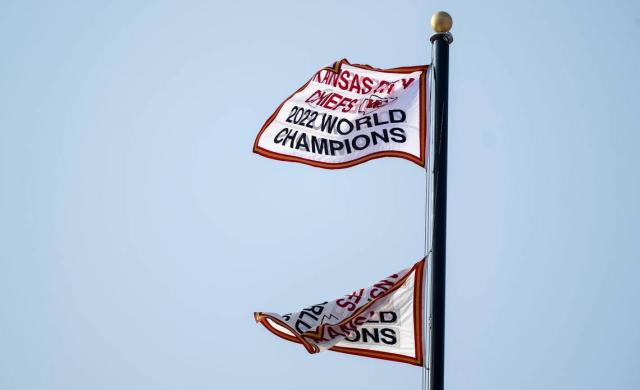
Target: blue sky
[[138, 232]]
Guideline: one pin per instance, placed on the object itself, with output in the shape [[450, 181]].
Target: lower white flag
[[384, 321]]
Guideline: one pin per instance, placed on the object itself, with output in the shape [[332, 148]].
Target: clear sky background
[[138, 232]]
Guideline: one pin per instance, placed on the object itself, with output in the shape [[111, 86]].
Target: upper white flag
[[347, 114], [384, 321]]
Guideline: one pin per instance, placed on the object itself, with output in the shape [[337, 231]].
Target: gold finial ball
[[441, 22]]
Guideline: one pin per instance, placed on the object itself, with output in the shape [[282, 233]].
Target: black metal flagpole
[[441, 23]]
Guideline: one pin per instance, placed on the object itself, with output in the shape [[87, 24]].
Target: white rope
[[427, 243]]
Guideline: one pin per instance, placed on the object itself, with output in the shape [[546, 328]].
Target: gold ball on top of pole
[[441, 22]]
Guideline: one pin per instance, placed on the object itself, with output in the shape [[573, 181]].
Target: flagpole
[[441, 23]]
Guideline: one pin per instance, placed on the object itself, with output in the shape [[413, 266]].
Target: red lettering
[[383, 84], [355, 84], [346, 304], [333, 99], [330, 78], [350, 106], [344, 102], [314, 96], [380, 288], [406, 83], [367, 85], [391, 87], [360, 320], [343, 82]]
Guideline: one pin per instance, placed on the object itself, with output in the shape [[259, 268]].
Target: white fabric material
[[382, 321], [347, 114]]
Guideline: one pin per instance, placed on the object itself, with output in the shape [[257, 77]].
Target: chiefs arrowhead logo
[[374, 102]]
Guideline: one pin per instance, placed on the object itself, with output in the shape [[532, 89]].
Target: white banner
[[347, 114], [384, 321]]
